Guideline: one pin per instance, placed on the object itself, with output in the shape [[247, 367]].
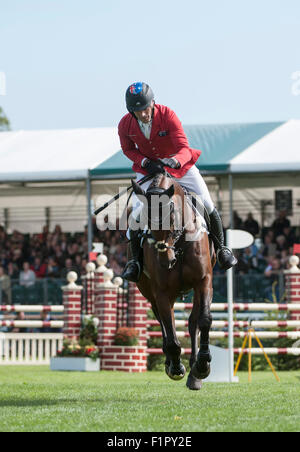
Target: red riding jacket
[[167, 140]]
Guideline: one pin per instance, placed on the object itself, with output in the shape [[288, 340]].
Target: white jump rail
[[223, 334], [32, 323], [244, 306], [240, 324], [254, 351], [31, 308], [29, 348], [270, 351]]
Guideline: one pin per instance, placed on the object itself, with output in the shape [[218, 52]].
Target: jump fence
[[104, 298]]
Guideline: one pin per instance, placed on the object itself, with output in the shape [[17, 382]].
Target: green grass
[[36, 399]]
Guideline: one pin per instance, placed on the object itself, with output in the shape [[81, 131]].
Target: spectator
[[237, 221], [273, 268], [39, 268], [272, 273], [269, 248], [249, 257], [52, 270], [281, 243], [284, 260], [280, 223], [290, 236], [27, 276], [251, 225], [12, 271], [69, 267], [5, 286]]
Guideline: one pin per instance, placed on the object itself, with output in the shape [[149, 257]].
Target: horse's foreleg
[[156, 313], [201, 368], [172, 349], [193, 382]]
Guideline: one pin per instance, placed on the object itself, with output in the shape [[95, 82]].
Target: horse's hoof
[[201, 371], [193, 383], [176, 373]]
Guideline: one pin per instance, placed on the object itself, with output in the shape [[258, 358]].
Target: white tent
[[53, 155], [44, 175], [277, 151]]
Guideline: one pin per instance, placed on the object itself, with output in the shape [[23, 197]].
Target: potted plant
[[79, 355], [126, 336]]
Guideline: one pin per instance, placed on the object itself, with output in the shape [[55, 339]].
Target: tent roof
[[277, 151], [220, 145], [53, 155], [56, 155]]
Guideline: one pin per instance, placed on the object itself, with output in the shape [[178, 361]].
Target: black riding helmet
[[138, 97]]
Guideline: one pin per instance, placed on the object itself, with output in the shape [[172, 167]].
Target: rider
[[150, 132]]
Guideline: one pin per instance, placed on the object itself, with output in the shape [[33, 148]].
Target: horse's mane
[[156, 181], [158, 178]]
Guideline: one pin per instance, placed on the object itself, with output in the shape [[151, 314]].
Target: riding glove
[[171, 163], [153, 167]]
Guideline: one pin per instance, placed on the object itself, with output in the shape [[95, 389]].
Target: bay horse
[[173, 265]]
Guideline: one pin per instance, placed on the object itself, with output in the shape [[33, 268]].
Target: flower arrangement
[[74, 348], [89, 329], [126, 336]]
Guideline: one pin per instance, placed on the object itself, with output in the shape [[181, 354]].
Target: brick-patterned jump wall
[[138, 313], [90, 288], [106, 311], [98, 277], [292, 284], [124, 358], [72, 311]]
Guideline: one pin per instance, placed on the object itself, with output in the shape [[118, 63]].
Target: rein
[[161, 245]]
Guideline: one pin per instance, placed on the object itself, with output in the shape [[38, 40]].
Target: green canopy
[[219, 145]]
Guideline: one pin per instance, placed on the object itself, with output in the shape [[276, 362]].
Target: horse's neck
[[188, 215]]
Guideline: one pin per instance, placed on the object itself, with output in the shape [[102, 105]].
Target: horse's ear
[[137, 188], [170, 191]]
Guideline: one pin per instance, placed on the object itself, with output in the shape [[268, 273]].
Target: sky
[[67, 63]]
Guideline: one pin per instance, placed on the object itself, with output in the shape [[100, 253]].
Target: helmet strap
[[132, 113]]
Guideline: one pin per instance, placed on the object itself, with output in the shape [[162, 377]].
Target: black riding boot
[[133, 269], [225, 257]]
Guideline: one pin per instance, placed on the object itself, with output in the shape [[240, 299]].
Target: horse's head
[[158, 214]]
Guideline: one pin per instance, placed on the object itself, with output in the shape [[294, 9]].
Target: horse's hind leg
[[201, 368]]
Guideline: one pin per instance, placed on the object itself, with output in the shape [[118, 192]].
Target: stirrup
[[226, 262]]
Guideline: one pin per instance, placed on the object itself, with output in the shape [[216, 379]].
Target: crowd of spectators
[[26, 258], [272, 248], [52, 254]]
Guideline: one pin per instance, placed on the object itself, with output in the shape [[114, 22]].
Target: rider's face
[[145, 116]]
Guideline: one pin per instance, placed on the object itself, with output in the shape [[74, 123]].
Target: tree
[[4, 121]]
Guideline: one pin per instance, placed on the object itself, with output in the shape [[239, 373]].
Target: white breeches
[[192, 181]]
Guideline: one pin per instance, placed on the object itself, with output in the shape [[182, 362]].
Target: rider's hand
[[153, 167], [171, 163]]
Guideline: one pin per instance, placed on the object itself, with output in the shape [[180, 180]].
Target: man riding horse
[[149, 135]]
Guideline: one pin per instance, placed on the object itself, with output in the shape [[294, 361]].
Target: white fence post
[[29, 348]]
